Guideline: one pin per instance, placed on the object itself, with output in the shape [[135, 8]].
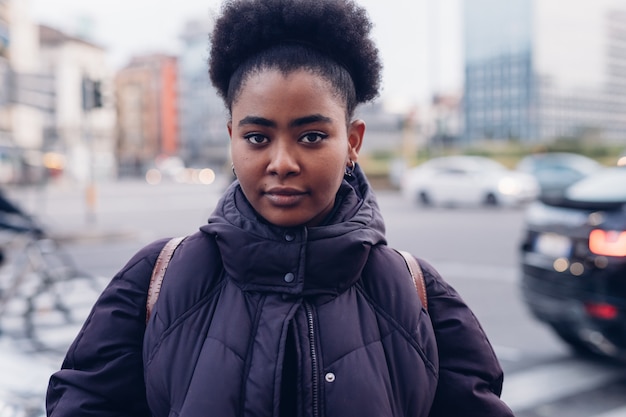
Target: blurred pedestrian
[[289, 302]]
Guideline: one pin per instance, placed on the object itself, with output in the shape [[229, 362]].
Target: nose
[[284, 160]]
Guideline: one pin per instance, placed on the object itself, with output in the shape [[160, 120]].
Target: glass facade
[[498, 96], [538, 70]]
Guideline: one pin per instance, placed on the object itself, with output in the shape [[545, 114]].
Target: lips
[[284, 196]]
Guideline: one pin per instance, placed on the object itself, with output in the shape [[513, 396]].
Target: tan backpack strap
[[158, 273], [418, 276]]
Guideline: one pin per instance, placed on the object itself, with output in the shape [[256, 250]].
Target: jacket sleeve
[[470, 376], [102, 373]]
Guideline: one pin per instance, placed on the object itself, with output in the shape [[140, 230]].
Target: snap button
[[330, 377], [289, 237], [289, 277]]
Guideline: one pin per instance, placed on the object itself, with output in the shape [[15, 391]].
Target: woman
[[288, 302]]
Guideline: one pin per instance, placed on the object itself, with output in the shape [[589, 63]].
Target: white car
[[468, 180]]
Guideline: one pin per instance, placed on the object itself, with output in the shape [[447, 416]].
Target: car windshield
[[464, 163], [606, 186], [558, 160]]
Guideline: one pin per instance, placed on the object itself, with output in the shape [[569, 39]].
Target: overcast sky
[[419, 40]]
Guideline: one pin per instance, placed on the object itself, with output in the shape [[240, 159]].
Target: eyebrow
[[301, 121]]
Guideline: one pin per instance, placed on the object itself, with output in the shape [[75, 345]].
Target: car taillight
[[601, 311], [607, 242]]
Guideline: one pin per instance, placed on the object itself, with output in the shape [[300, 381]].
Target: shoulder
[[435, 283], [385, 267], [193, 271], [139, 267], [147, 256], [388, 282], [387, 278], [150, 252], [197, 252], [387, 261]]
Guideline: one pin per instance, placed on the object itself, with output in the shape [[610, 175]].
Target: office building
[[539, 70]]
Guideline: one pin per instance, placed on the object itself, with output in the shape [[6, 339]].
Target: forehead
[[302, 87]]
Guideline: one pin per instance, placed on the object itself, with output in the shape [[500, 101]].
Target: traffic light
[[92, 94], [97, 94]]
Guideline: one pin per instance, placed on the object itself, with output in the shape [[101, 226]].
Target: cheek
[[247, 172], [331, 172], [245, 169], [242, 160]]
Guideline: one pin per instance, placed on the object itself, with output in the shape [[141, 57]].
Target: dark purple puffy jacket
[[241, 298]]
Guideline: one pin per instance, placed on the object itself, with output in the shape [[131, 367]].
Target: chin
[[283, 223], [289, 221]]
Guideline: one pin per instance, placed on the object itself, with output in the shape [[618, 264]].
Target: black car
[[573, 259]]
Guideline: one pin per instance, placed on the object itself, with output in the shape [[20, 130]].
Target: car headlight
[[508, 186]]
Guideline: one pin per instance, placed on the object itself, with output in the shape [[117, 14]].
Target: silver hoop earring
[[350, 169]]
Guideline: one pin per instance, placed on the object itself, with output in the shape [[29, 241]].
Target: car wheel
[[579, 346], [491, 200], [424, 199]]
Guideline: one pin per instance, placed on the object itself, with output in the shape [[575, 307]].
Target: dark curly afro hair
[[328, 37]]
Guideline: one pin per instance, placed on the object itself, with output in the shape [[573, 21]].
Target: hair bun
[[338, 28]]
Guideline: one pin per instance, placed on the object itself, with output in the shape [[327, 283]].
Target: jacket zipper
[[314, 364]]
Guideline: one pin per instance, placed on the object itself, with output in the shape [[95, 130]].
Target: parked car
[[468, 180], [555, 171], [573, 263]]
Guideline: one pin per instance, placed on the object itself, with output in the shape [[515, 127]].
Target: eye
[[313, 137], [256, 138]]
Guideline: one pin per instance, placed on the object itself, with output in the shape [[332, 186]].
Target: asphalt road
[[475, 249]]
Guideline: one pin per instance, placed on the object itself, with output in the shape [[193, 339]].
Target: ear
[[356, 132], [229, 126]]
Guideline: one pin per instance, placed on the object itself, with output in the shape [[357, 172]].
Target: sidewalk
[[65, 213], [24, 380], [119, 209], [78, 234]]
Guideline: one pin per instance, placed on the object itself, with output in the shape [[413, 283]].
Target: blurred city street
[[95, 97], [474, 249]]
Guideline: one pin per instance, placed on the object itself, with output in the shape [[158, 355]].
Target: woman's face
[[290, 145]]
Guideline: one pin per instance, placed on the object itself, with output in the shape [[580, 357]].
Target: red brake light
[[607, 242], [601, 311]]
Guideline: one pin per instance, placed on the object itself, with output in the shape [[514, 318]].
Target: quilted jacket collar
[[302, 260]]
